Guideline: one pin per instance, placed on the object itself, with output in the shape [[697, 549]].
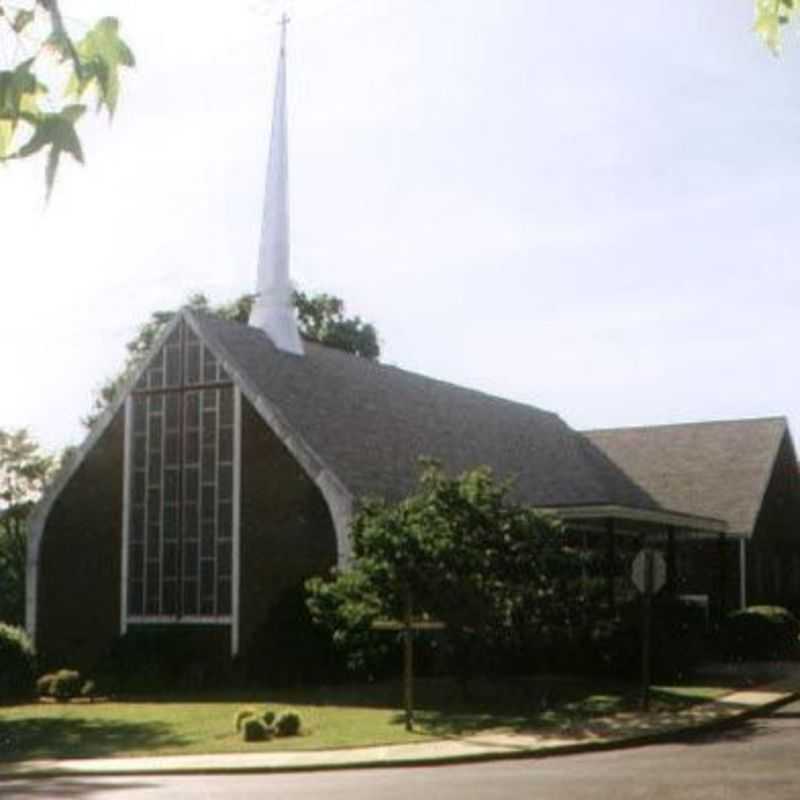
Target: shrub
[[287, 724], [89, 690], [44, 684], [242, 715], [677, 644], [760, 633], [268, 717], [65, 685], [254, 730], [17, 664]]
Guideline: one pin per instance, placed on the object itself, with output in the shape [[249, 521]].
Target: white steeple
[[273, 311]]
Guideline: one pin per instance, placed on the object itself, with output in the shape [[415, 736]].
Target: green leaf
[[15, 84], [101, 53], [6, 137], [22, 20], [60, 44], [771, 17], [19, 99], [57, 132]]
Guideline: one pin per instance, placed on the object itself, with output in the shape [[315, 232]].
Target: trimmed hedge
[[67, 685], [678, 641], [254, 730], [242, 715], [44, 684], [287, 724], [760, 633], [64, 685], [17, 664]]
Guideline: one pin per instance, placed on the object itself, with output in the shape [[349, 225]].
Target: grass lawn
[[336, 717]]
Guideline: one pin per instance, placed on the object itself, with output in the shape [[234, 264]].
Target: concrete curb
[[81, 768]]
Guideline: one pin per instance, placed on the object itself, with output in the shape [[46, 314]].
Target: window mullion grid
[[146, 504], [208, 524], [137, 507], [162, 493], [215, 542], [181, 479], [182, 487]]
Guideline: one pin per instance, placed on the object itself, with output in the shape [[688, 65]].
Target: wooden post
[[408, 662], [407, 626]]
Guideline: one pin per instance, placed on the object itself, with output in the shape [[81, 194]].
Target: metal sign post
[[649, 574], [647, 619]]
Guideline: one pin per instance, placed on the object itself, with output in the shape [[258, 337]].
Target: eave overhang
[[664, 517]]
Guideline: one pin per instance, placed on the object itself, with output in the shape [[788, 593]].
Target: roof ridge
[[694, 423], [381, 365]]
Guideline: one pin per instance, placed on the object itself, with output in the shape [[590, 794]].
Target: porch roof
[[714, 469]]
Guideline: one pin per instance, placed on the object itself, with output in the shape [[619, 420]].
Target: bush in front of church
[[241, 716], [288, 724], [254, 730], [65, 685], [17, 664], [678, 643], [760, 633]]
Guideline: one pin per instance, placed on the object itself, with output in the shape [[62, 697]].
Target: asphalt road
[[758, 760]]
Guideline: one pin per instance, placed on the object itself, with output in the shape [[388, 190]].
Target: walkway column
[[611, 559], [672, 572], [722, 542], [742, 573]]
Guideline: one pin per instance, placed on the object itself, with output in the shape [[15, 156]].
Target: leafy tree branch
[[24, 471], [772, 17], [492, 570], [42, 91]]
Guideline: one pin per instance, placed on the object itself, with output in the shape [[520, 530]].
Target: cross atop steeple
[[273, 310]]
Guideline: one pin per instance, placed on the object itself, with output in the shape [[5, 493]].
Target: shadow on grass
[[45, 738], [593, 721], [510, 695]]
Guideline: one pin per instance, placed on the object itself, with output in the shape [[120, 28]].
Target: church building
[[229, 468]]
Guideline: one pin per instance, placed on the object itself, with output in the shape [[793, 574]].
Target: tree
[[772, 17], [24, 471], [460, 551], [42, 90], [320, 317]]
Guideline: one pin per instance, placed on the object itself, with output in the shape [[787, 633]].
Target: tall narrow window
[[180, 526]]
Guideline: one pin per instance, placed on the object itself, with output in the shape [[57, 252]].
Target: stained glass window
[[180, 526]]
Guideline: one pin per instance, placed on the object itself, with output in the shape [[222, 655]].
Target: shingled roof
[[369, 423], [713, 469]]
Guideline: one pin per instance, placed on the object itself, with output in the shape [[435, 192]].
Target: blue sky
[[591, 210]]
